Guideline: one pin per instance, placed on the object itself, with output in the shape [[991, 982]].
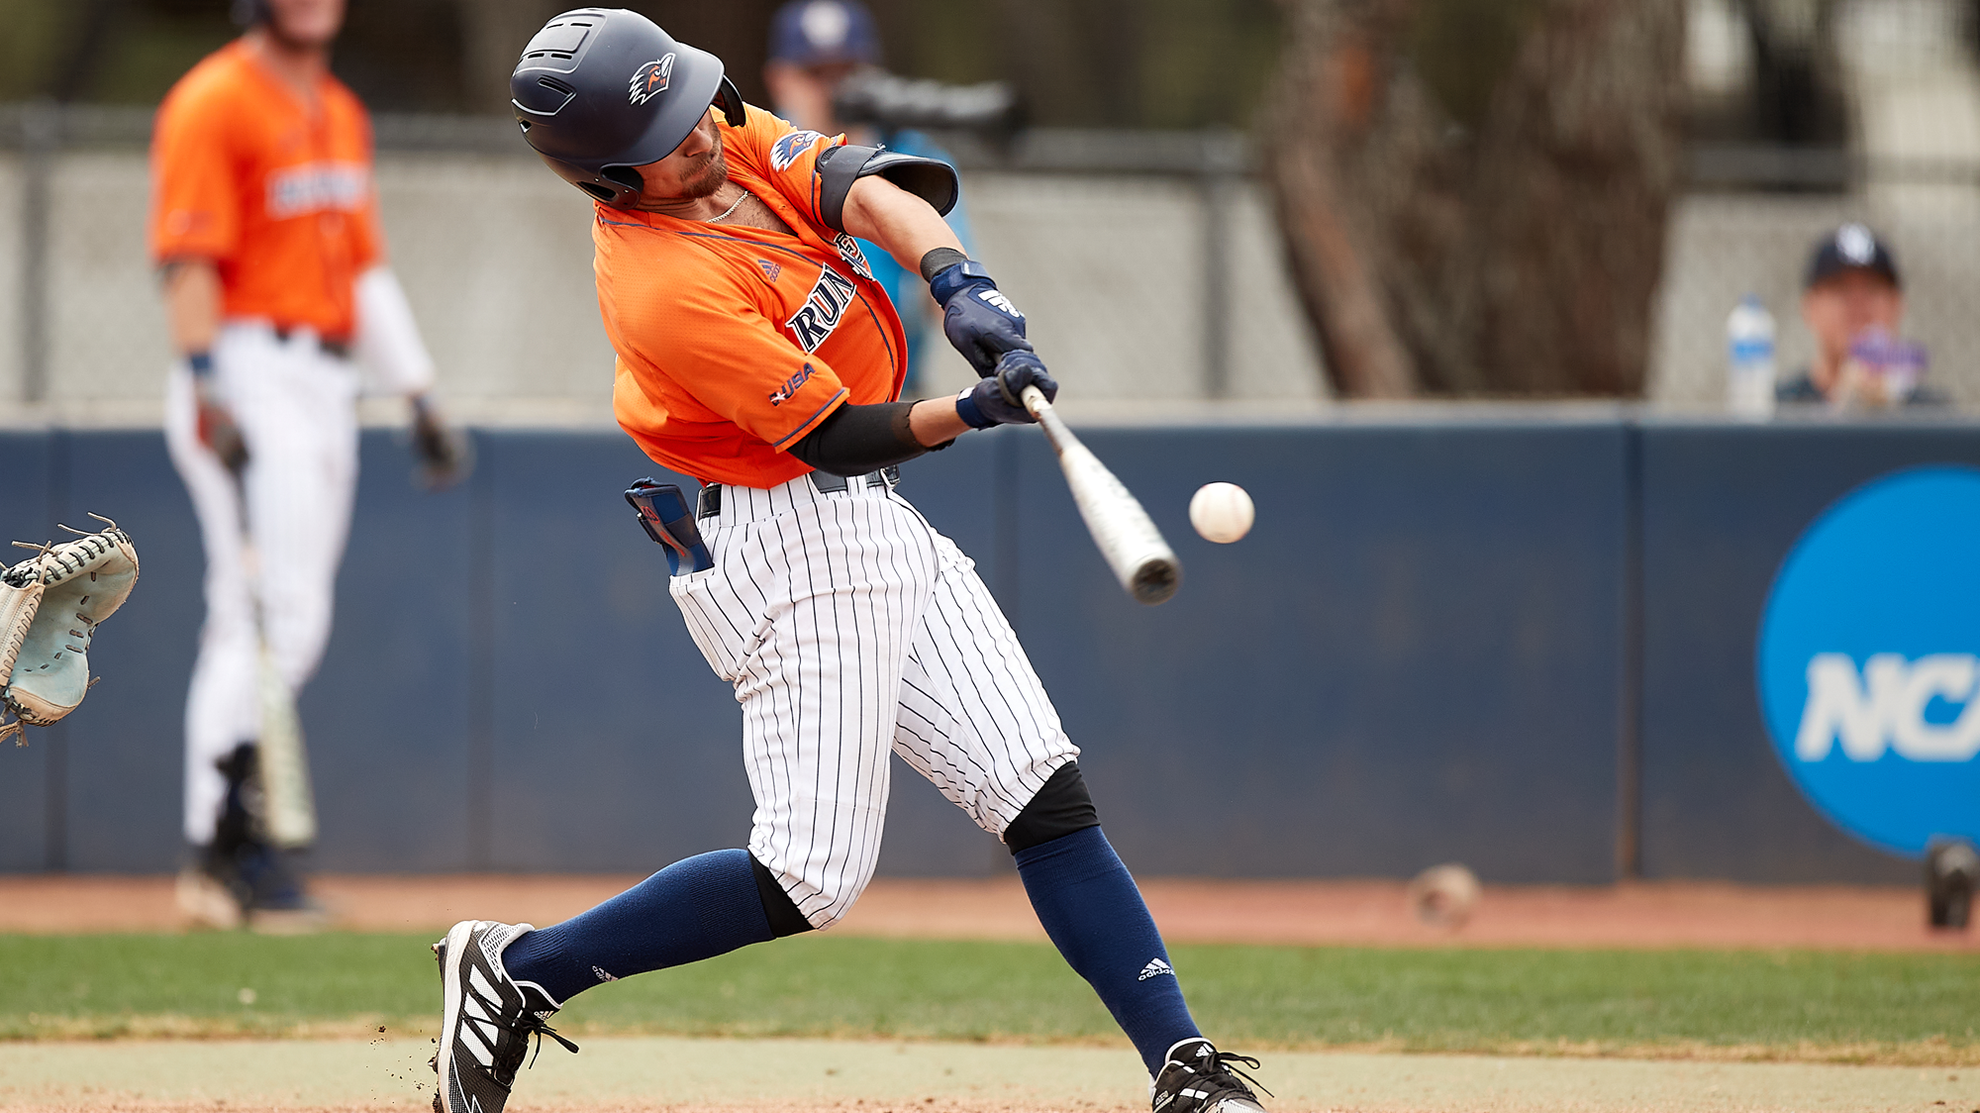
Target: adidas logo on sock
[[603, 976], [1155, 969]]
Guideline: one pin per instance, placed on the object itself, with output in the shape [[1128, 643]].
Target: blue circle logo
[[1869, 659]]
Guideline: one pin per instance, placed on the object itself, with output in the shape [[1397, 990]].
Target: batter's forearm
[[192, 304], [908, 227], [936, 421], [855, 440]]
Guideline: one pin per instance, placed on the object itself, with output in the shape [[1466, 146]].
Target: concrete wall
[[1423, 652], [496, 256], [495, 253]]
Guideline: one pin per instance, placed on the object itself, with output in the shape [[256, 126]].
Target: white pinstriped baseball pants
[[849, 626]]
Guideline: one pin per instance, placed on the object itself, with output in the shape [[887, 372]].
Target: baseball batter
[[756, 353], [265, 226]]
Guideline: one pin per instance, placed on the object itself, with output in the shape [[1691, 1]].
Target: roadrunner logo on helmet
[[650, 80], [600, 91]]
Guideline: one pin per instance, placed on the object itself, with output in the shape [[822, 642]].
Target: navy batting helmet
[[601, 90]]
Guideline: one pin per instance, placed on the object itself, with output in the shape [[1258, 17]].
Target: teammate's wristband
[[970, 412], [201, 364]]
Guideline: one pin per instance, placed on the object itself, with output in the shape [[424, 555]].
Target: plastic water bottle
[[1750, 342]]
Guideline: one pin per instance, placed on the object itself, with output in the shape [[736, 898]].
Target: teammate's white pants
[[296, 409], [849, 626]]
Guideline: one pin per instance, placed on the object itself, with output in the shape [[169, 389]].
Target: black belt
[[710, 502], [341, 349]]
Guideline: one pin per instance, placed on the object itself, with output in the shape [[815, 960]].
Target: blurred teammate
[[1853, 301], [757, 353], [814, 46], [265, 227]]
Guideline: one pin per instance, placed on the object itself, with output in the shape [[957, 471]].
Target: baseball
[[1221, 512], [1444, 896]]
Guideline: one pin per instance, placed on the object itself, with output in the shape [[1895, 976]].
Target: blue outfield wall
[[1423, 652]]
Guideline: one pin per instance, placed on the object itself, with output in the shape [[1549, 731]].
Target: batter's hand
[[976, 316], [217, 429], [998, 399]]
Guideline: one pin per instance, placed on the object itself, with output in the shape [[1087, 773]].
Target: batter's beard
[[712, 175]]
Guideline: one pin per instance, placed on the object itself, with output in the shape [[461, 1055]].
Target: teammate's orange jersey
[[275, 191], [735, 342]]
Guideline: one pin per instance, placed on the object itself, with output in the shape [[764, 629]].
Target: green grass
[[1888, 1007]]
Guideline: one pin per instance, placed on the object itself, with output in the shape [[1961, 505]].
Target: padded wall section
[[387, 717], [124, 753], [1417, 655], [27, 460], [1722, 505], [614, 746], [1412, 658]]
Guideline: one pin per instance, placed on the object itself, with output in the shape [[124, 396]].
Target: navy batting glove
[[998, 400], [976, 316]]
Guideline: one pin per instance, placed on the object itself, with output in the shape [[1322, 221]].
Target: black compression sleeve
[[855, 440]]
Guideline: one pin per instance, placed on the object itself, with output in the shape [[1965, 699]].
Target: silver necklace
[[730, 209]]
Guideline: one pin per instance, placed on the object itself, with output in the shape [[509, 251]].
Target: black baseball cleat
[[487, 1020], [1198, 1078]]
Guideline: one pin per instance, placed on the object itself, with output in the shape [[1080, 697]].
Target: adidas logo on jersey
[[778, 397], [822, 310], [1155, 969], [770, 270]]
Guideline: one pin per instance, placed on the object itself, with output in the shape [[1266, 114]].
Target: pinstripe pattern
[[848, 625]]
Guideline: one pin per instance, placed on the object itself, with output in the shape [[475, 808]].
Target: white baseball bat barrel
[[1134, 549]]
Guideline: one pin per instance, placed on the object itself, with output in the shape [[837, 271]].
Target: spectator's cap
[[821, 32], [1851, 247]]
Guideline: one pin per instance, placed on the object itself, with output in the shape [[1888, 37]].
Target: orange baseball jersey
[[735, 342], [275, 191]]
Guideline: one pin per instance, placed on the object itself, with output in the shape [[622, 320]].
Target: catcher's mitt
[[50, 606]]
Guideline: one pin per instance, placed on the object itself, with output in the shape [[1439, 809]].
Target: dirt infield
[[798, 1076], [1291, 912]]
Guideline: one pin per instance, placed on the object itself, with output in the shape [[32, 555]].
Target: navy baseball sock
[[1090, 907], [697, 908]]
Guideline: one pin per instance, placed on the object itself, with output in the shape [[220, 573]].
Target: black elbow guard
[[932, 180]]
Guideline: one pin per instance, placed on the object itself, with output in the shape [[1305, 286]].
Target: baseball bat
[[1141, 560], [281, 761]]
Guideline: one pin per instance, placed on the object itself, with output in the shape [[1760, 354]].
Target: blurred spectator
[[814, 46], [1853, 301]]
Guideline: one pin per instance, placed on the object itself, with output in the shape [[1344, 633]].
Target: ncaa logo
[[650, 80], [1869, 660]]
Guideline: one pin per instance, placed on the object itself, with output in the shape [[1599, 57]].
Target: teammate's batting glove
[[216, 427], [445, 455], [999, 399], [976, 316]]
